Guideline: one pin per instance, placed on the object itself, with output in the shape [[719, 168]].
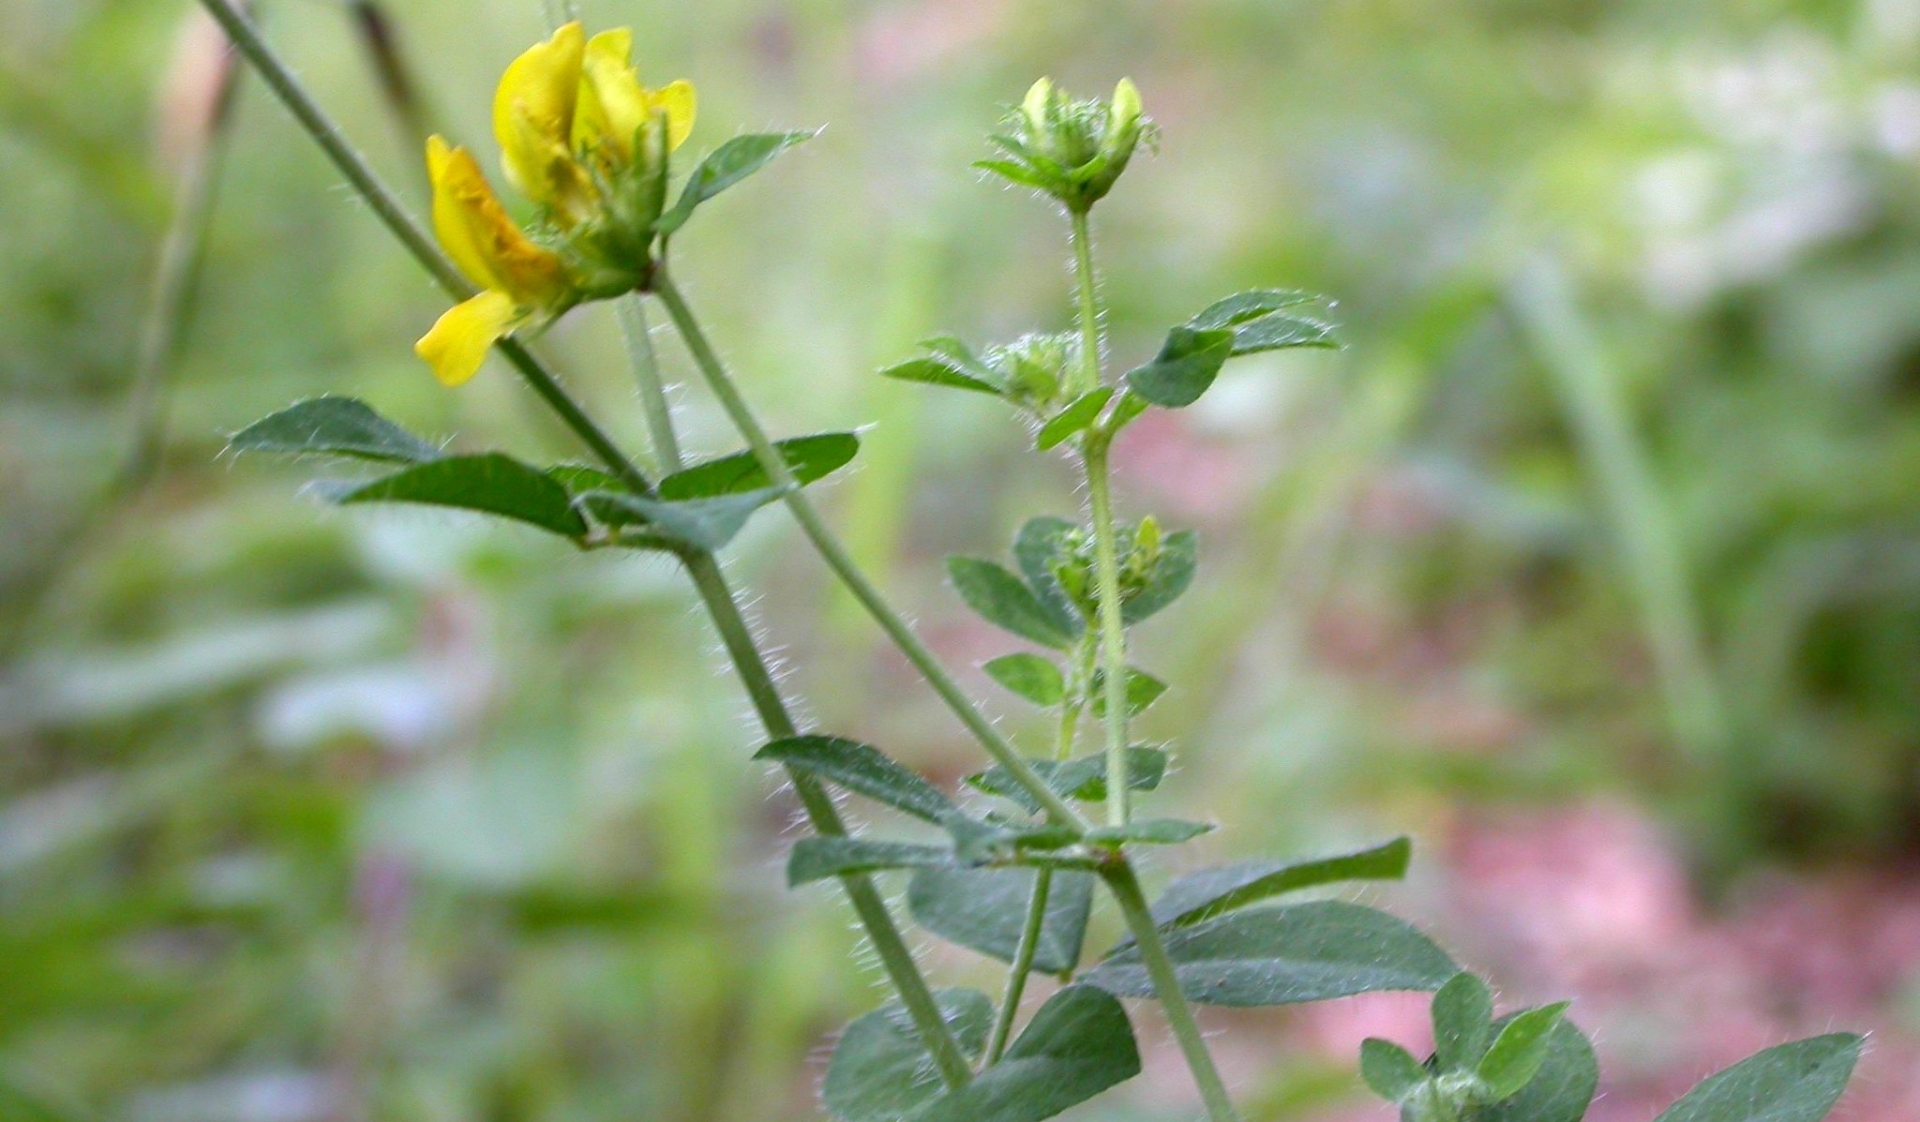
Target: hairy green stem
[[653, 392], [902, 971], [1113, 635], [1125, 886], [835, 554], [1088, 376], [1023, 955]]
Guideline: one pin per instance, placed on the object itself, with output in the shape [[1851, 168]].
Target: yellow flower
[[520, 281], [580, 136]]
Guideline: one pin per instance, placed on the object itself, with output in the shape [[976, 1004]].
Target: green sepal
[[880, 1071], [1003, 600], [334, 426], [1284, 955], [1029, 676], [985, 910], [724, 167], [1186, 366], [809, 458], [864, 770], [1073, 418], [489, 483]]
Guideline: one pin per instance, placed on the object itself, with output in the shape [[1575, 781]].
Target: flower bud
[[1073, 149]]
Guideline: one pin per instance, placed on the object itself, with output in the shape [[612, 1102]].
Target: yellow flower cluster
[[582, 138]]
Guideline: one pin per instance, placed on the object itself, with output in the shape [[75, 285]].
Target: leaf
[[1211, 892], [818, 858], [1148, 831], [1251, 304], [580, 479], [1171, 576], [1564, 1087], [724, 167], [1075, 417], [1078, 1045], [1029, 676], [1389, 1070], [933, 372], [1519, 1051], [489, 484], [1084, 778], [880, 1070], [1462, 1022], [334, 426], [1015, 172], [1004, 601], [1188, 363], [1040, 545], [705, 524], [864, 770], [1277, 332], [1797, 1082], [1279, 956], [985, 910], [809, 458], [956, 354], [1143, 689]]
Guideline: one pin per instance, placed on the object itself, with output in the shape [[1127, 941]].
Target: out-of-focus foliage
[[308, 814]]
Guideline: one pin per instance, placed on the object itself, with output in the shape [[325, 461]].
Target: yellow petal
[[533, 117], [460, 339], [482, 239], [678, 101], [612, 104]]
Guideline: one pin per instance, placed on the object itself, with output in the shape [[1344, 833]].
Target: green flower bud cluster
[[1140, 554], [1033, 368], [1073, 149]]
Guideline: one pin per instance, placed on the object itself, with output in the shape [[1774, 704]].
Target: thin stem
[[1113, 635], [902, 971], [1023, 955], [1089, 373], [653, 392], [1125, 887], [835, 554]]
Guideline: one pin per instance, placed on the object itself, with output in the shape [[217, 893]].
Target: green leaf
[[1188, 363], [1148, 831], [1078, 1045], [1462, 1022], [955, 353], [1277, 332], [1130, 407], [1279, 956], [489, 484], [1004, 601], [809, 458], [1084, 778], [818, 858], [1075, 417], [933, 372], [1211, 892], [864, 770], [880, 1070], [985, 910], [1564, 1087], [705, 524], [1519, 1051], [1030, 676], [1251, 304], [1040, 545], [1171, 576], [724, 167], [1797, 1082], [334, 426], [580, 479], [1390, 1070], [1143, 689]]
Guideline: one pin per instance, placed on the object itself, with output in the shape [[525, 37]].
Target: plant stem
[[843, 566], [1113, 635], [653, 392], [902, 971], [1089, 373], [1125, 887]]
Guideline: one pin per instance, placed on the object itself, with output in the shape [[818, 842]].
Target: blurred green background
[[1593, 560]]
